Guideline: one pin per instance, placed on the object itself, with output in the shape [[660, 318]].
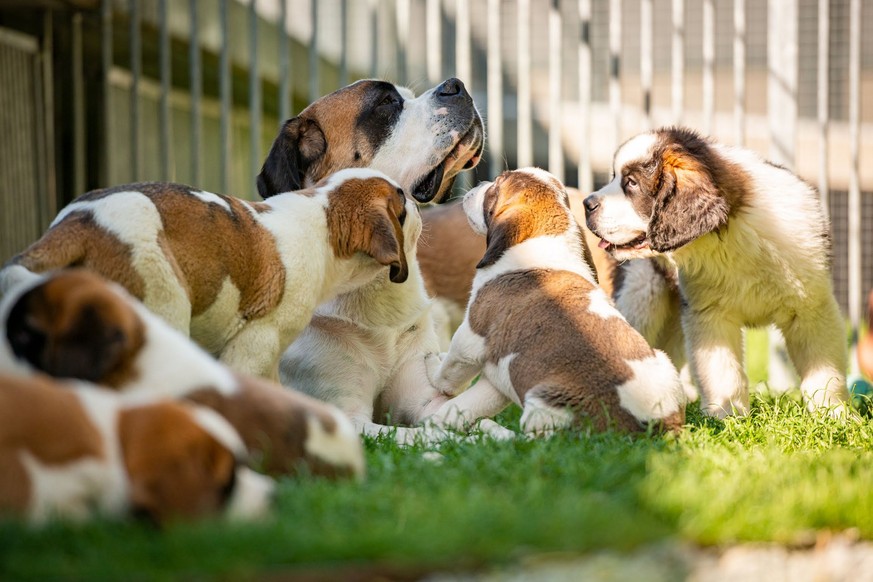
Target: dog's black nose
[[451, 89], [591, 203]]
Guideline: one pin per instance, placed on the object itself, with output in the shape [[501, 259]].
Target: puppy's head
[[287, 431], [422, 142], [184, 462], [368, 213], [517, 206], [75, 325], [663, 195]]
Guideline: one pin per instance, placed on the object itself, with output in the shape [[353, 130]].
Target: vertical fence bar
[[314, 85], [615, 70], [225, 96], [708, 66], [740, 72], [854, 209], [195, 73], [463, 51], [782, 118], [164, 99], [135, 72], [106, 69], [285, 63], [556, 150], [677, 61], [254, 92], [344, 43], [434, 41], [646, 58], [495, 90], [374, 38], [402, 15], [823, 102], [524, 129], [79, 147], [586, 177]]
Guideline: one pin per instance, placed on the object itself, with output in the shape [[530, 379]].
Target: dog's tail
[[55, 250]]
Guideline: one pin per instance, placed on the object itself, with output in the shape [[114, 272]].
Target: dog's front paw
[[432, 364], [495, 431]]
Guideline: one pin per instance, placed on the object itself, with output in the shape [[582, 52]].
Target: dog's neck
[[562, 252]]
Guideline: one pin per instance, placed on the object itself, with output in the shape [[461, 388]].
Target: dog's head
[[186, 462], [368, 213], [422, 142], [517, 206], [74, 325], [663, 195]]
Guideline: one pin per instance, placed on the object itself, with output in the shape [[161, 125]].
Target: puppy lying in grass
[[74, 324], [540, 331], [71, 450]]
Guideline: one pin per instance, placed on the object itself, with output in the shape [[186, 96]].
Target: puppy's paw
[[495, 431], [432, 363]]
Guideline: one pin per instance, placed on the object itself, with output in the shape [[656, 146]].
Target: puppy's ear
[[687, 205], [374, 230], [27, 335], [300, 143], [500, 235]]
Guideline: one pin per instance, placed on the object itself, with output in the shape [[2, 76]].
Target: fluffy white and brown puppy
[[365, 352], [539, 329], [73, 324], [750, 244], [72, 450], [449, 249], [421, 142], [242, 278]]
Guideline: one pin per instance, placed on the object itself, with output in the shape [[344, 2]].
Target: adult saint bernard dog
[[365, 350], [750, 245]]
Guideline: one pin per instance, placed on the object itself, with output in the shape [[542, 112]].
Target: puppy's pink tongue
[[603, 244]]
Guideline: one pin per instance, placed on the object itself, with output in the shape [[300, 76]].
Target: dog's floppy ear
[[687, 205], [500, 235], [299, 144], [374, 229]]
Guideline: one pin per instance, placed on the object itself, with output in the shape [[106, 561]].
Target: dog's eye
[[388, 101], [630, 182]]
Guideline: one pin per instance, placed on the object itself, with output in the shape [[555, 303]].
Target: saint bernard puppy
[[71, 450], [540, 330], [750, 245], [449, 249], [74, 324], [421, 142], [241, 278]]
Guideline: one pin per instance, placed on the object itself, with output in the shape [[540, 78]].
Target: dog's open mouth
[[465, 155], [638, 243]]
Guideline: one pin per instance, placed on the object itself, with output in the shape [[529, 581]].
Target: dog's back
[[566, 345]]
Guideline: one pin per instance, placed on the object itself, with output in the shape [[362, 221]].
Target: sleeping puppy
[[73, 324], [750, 245], [241, 278], [72, 450], [540, 331]]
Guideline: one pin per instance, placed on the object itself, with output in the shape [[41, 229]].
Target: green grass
[[777, 474]]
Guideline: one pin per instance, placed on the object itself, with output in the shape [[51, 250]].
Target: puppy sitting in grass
[[541, 332]]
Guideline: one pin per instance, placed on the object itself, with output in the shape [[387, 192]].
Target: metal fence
[[194, 90]]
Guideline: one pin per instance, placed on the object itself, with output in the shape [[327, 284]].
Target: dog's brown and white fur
[[540, 330], [72, 450], [73, 324], [750, 244], [243, 279]]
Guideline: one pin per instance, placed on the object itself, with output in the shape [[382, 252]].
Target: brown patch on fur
[[364, 216], [519, 206], [225, 245], [175, 467], [272, 421], [75, 326], [448, 251], [77, 241], [568, 355], [46, 420]]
